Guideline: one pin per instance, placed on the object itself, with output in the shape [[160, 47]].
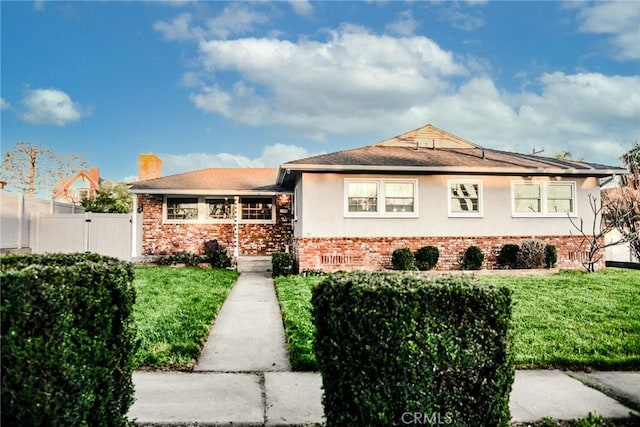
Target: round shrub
[[473, 258], [531, 254], [427, 257], [550, 256], [402, 259], [508, 257]]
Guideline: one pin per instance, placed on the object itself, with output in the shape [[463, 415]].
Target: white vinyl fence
[[15, 214], [621, 252], [106, 234]]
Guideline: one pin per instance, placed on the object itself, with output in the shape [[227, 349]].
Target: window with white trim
[[218, 209], [380, 197], [543, 198], [465, 198], [182, 208], [362, 196], [257, 208], [399, 197]]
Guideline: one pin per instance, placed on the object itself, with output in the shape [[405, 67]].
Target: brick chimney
[[94, 174], [149, 167]]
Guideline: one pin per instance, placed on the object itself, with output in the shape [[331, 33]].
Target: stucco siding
[[323, 198]]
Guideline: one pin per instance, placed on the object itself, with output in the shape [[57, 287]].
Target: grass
[[565, 320], [174, 310], [576, 319], [294, 294]]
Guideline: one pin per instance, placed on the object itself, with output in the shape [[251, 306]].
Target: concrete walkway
[[243, 378], [248, 334]]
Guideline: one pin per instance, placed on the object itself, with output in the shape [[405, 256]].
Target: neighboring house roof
[[220, 181], [432, 150], [65, 187]]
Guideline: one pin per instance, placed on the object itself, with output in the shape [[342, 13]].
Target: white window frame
[[203, 215], [479, 213], [544, 208], [380, 207], [165, 210], [271, 220]]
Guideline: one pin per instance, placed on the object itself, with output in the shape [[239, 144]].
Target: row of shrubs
[[532, 253], [214, 254], [424, 259]]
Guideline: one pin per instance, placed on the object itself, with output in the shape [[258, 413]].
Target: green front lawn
[[571, 319], [174, 310]]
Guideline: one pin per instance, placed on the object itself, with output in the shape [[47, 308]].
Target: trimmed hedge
[[67, 340], [550, 256], [472, 259], [402, 259], [393, 347], [508, 257], [427, 257]]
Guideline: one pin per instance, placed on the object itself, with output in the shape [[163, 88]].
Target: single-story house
[[350, 209]]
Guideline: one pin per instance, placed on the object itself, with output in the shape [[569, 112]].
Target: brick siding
[[159, 237], [332, 254]]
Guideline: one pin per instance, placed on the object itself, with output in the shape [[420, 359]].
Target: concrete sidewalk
[[242, 378], [295, 398]]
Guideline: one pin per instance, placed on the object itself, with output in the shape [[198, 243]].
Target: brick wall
[[332, 254], [255, 239]]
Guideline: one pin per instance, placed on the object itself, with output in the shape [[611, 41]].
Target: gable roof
[[63, 188], [213, 181], [429, 150]]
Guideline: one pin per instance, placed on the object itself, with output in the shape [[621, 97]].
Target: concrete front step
[[254, 263]]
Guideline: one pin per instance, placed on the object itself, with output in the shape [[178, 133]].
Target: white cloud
[[190, 79], [179, 28], [454, 15], [236, 18], [581, 113], [51, 107], [4, 105], [39, 5], [324, 87], [358, 82], [302, 7], [618, 19], [404, 25], [271, 156]]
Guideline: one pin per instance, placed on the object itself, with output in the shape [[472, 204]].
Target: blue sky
[[209, 84]]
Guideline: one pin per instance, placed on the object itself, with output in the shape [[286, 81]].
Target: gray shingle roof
[[432, 150]]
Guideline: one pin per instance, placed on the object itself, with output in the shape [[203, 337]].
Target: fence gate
[[106, 234]]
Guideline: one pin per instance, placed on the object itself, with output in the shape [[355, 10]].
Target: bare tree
[[607, 216], [34, 168], [623, 202]]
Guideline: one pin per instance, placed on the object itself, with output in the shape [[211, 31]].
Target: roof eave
[[205, 192], [472, 170]]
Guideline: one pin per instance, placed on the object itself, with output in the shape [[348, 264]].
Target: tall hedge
[[67, 340], [396, 349]]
